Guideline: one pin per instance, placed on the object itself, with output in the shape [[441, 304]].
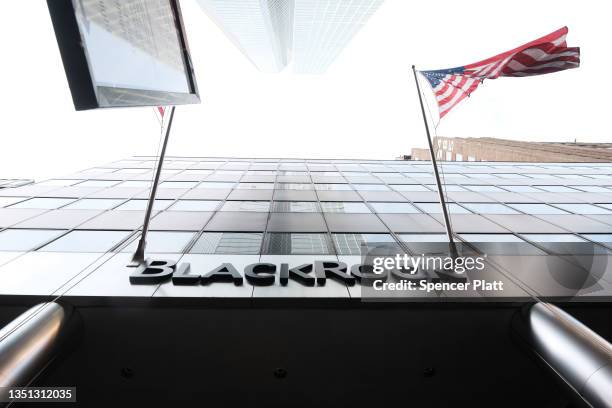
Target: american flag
[[542, 56]]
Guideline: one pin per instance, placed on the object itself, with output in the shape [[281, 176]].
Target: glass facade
[[305, 207]]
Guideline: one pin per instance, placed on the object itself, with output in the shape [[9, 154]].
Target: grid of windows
[[227, 205]]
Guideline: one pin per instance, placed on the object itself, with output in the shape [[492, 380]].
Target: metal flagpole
[[449, 231], [139, 256]]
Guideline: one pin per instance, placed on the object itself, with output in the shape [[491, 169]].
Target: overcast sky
[[364, 107]]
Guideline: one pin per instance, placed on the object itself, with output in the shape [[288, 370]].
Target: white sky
[[364, 107]]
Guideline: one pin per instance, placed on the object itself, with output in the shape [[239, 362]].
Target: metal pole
[[576, 354], [449, 231], [139, 255], [31, 342]]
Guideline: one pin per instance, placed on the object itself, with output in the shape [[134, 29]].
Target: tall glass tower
[[270, 32]]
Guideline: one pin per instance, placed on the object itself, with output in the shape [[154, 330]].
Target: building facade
[[244, 211], [259, 284], [493, 149], [273, 32]]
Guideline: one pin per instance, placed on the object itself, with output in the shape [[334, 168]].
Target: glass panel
[[256, 206], [255, 186], [521, 189], [371, 187], [436, 208], [294, 186], [131, 171], [537, 209], [557, 189], [408, 187], [592, 189], [584, 209], [602, 238], [298, 244], [59, 183], [485, 189], [399, 208], [295, 206], [195, 205], [489, 208], [141, 205], [344, 207], [501, 244], [426, 243], [228, 243], [86, 241], [565, 244], [178, 184], [163, 242], [99, 183], [215, 185], [4, 201], [447, 187], [25, 240], [93, 204], [351, 244], [333, 187], [142, 42], [135, 184], [43, 203]]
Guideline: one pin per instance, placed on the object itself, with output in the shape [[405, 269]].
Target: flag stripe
[[542, 56]]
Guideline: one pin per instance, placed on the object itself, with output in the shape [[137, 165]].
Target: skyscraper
[[261, 29], [323, 28], [269, 32]]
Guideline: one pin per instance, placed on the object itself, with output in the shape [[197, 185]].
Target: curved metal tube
[[579, 356], [30, 342]]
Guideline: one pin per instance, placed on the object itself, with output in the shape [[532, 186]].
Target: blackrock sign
[[398, 268]]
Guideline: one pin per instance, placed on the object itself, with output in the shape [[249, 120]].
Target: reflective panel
[[398, 208], [298, 244], [256, 206], [59, 183], [371, 187], [86, 241], [295, 206], [178, 184], [356, 244], [26, 240], [43, 203], [194, 205], [436, 208], [447, 187], [228, 243], [584, 208], [255, 186], [408, 187], [537, 209], [93, 204], [521, 189], [557, 189], [484, 189], [215, 185], [163, 242], [6, 201], [141, 205], [333, 187], [99, 183], [489, 208], [344, 207], [142, 40]]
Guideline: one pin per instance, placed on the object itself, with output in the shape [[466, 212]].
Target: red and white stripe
[[542, 56]]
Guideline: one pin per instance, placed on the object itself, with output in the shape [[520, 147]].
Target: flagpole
[[139, 256], [447, 224]]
